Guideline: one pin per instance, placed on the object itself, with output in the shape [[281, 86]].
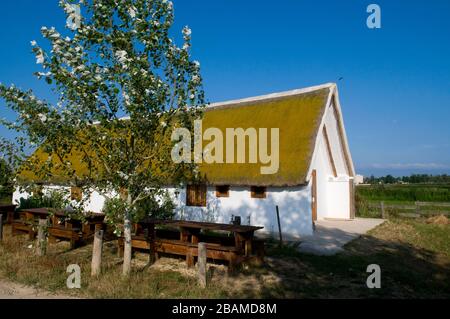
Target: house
[[359, 179], [314, 176]]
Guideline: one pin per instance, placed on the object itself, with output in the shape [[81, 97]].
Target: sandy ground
[[10, 290]]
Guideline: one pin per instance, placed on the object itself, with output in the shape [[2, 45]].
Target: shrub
[[160, 207], [52, 199]]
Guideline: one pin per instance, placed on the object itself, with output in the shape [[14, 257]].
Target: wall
[[294, 206], [94, 204], [333, 198]]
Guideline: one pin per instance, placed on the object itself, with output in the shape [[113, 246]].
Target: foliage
[[119, 62], [5, 178], [426, 193], [158, 206], [51, 199]]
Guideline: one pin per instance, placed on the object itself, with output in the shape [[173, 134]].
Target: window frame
[[222, 193], [258, 191], [199, 192]]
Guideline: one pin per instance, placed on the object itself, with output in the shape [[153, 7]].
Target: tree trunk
[[127, 245]]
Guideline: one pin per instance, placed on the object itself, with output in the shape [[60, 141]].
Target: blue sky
[[395, 91]]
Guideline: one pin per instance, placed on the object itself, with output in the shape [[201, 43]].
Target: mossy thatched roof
[[298, 117]]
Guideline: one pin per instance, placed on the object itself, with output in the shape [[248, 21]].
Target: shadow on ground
[[406, 272]]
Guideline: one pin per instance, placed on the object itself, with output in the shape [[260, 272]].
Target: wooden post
[[279, 225], [202, 264], [383, 214], [97, 253], [41, 238], [417, 208], [1, 227]]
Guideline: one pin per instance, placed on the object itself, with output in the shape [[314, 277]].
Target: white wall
[[294, 206], [93, 204], [333, 198]]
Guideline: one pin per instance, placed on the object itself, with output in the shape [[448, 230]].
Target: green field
[[408, 193], [401, 199]]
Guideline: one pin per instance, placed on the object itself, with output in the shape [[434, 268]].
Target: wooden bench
[[19, 227], [177, 247], [8, 212], [73, 235]]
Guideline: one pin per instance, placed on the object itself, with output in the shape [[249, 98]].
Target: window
[[76, 193], [223, 191], [196, 195], [258, 191]]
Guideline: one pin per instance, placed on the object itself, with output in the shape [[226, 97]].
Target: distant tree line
[[412, 179]]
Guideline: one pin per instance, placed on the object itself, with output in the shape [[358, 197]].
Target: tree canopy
[[122, 84]]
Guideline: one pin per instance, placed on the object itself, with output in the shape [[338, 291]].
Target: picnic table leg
[[30, 219], [248, 247], [190, 258], [184, 234], [231, 263], [10, 217], [238, 241], [194, 236], [150, 236]]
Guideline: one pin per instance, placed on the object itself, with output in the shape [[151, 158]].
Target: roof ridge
[[273, 95]]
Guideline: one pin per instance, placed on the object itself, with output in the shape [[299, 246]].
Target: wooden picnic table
[[190, 230], [8, 213], [62, 225]]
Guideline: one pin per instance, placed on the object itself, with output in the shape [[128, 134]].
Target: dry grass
[[414, 258], [438, 220]]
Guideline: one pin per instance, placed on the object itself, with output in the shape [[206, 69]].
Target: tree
[[121, 84], [5, 174]]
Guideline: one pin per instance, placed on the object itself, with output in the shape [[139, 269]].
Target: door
[[352, 198], [314, 196]]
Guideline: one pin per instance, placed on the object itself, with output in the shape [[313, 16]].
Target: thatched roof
[[298, 115]]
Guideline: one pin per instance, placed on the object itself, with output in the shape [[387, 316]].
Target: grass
[[414, 258], [405, 193]]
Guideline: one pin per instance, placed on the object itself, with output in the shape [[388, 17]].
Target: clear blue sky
[[395, 90]]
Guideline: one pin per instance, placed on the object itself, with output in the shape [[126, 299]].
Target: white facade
[[294, 208], [333, 192], [294, 205]]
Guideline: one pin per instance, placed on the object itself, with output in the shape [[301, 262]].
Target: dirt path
[[10, 290]]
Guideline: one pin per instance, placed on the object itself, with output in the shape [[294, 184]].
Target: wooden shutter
[[196, 195], [76, 193]]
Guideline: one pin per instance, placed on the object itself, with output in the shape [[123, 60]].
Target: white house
[[315, 175]]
